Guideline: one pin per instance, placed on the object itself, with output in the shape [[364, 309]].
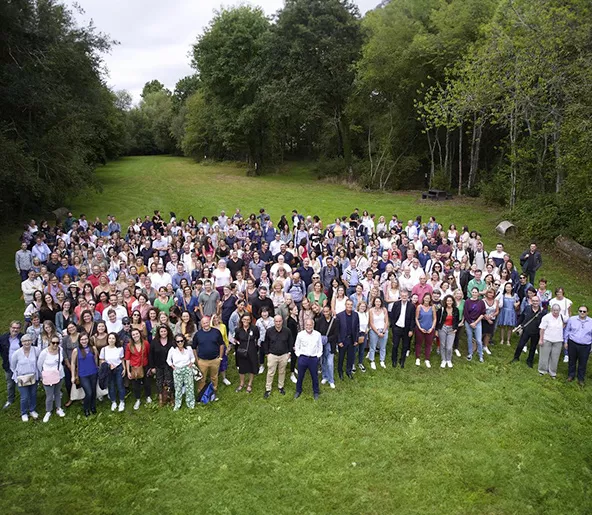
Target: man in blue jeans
[[10, 342], [308, 348], [328, 327], [347, 342]]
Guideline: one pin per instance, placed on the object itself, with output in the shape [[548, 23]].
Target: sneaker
[[324, 381], [261, 369], [226, 381], [113, 406], [332, 385], [457, 352], [353, 368], [536, 351], [524, 349], [565, 360], [373, 365], [315, 396], [34, 415], [487, 351], [293, 379], [175, 408], [382, 364], [60, 413], [418, 362], [6, 405], [362, 367], [407, 354], [282, 391], [136, 405], [443, 364], [428, 364], [266, 394], [25, 418], [121, 406], [480, 359], [46, 417], [148, 400], [469, 357], [450, 364]]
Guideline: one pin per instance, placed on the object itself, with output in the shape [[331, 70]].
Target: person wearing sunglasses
[[51, 367], [181, 360], [577, 338]]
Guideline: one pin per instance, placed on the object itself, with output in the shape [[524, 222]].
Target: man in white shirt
[[308, 348], [280, 264], [160, 277], [411, 230], [406, 282], [30, 285], [276, 245], [120, 311], [402, 318]]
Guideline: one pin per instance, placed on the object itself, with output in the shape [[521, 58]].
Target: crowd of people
[[161, 305]]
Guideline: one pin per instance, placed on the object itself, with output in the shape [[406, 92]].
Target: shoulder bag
[[243, 352]]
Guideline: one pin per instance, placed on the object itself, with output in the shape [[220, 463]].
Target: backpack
[[207, 394]]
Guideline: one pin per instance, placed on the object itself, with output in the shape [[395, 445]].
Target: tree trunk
[[558, 166], [513, 157], [475, 147], [432, 148], [346, 145], [460, 170]]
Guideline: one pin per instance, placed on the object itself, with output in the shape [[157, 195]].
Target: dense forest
[[486, 98]]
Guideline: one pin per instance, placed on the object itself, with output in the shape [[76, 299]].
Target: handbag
[[76, 394], [26, 380], [243, 352], [197, 373], [137, 372]]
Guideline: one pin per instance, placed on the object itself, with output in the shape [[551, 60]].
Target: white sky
[[156, 36]]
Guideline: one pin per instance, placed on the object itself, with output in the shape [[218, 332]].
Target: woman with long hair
[[448, 318], [85, 372], [49, 309], [163, 373], [185, 326], [86, 322], [425, 322], [113, 356], [508, 319], [136, 364], [99, 339], [246, 337], [491, 312], [48, 331], [65, 316], [378, 334], [51, 370], [181, 360], [138, 323]]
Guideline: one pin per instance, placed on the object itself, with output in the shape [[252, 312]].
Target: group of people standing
[[162, 304]]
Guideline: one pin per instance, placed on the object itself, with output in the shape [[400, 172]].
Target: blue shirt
[[578, 330], [207, 343]]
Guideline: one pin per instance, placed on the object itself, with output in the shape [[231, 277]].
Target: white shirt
[[275, 247], [564, 305], [159, 280], [553, 328], [112, 355], [221, 278], [406, 283], [309, 344], [120, 312], [180, 359]]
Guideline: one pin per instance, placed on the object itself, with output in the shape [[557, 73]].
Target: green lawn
[[481, 438]]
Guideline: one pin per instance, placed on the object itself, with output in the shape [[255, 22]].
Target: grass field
[[488, 438]]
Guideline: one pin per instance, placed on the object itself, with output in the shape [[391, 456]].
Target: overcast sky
[[155, 36]]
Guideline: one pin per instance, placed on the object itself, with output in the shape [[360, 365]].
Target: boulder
[[506, 228], [60, 213], [573, 249]]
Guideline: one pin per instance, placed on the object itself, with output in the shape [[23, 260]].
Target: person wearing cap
[[577, 337], [23, 364]]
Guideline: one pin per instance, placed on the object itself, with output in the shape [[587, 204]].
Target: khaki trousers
[[274, 363], [208, 367]]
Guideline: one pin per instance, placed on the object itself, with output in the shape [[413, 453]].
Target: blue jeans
[[361, 350], [328, 364], [476, 333], [116, 380], [311, 364], [28, 398], [374, 340], [89, 385]]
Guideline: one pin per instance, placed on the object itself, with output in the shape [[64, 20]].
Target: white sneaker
[[46, 417], [443, 364], [296, 371], [373, 365], [332, 385], [487, 351], [293, 379], [226, 381], [113, 406], [353, 368], [60, 412], [457, 352], [261, 369], [148, 400], [34, 414], [536, 351], [121, 406], [566, 359], [25, 418], [450, 364], [6, 405], [382, 364], [524, 349], [418, 362], [324, 381], [428, 364], [136, 405], [407, 354]]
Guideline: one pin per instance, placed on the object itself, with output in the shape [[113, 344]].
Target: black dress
[[247, 340]]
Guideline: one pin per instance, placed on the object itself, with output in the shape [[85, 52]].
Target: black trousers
[[578, 354], [398, 335], [524, 339], [348, 351]]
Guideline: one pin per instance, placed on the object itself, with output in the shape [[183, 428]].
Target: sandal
[[249, 389], [239, 388]]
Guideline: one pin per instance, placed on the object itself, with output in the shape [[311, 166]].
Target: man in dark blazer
[[10, 342], [347, 342], [402, 324], [531, 260]]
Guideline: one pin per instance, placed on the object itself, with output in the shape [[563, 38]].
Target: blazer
[[441, 318], [5, 348], [409, 315], [341, 318]]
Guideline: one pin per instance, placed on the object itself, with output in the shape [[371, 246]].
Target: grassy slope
[[488, 438]]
